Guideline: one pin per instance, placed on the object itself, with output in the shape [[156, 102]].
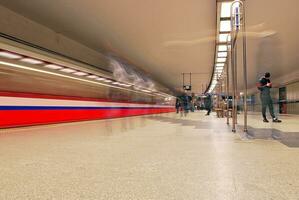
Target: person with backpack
[[264, 86]]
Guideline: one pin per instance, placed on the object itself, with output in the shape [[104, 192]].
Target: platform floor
[[151, 157]]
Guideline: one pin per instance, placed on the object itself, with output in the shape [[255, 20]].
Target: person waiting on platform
[[178, 104], [264, 86], [186, 100], [208, 103]]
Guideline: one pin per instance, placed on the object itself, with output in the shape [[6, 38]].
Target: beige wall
[[20, 27]]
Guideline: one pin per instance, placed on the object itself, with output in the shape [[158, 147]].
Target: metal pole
[[239, 15], [236, 83], [233, 68], [227, 82], [244, 67]]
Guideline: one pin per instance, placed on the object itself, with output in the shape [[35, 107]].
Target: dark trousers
[[267, 102], [209, 110]]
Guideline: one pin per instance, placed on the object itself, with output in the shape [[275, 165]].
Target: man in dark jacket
[[265, 86], [208, 103]]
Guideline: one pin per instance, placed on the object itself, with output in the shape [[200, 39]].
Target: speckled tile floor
[[147, 158]]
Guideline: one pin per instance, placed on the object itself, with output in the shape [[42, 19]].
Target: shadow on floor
[[290, 139], [187, 122]]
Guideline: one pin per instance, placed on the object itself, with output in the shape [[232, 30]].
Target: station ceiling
[[170, 37], [164, 38]]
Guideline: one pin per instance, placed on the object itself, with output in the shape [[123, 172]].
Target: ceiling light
[[219, 64], [225, 9], [68, 70], [221, 59], [222, 54], [92, 76], [145, 90], [224, 37], [222, 48], [64, 76], [225, 26], [80, 73], [32, 61], [10, 55], [53, 66], [100, 79], [107, 81], [115, 83]]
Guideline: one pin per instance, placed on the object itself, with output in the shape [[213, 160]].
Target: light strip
[[65, 76], [225, 9], [68, 70], [6, 54], [221, 60], [222, 54], [32, 61], [219, 65], [222, 48], [92, 76], [53, 66], [80, 73], [225, 26]]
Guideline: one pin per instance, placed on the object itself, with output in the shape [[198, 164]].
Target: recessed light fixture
[[100, 79], [219, 64], [10, 55], [92, 76], [53, 66], [143, 90], [225, 26], [221, 60], [80, 73], [222, 54], [225, 9], [222, 48], [224, 37], [32, 61], [68, 70]]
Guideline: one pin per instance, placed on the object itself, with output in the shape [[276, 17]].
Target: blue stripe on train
[[71, 108]]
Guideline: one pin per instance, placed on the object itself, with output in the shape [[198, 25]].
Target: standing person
[[177, 105], [266, 99], [186, 103], [208, 103]]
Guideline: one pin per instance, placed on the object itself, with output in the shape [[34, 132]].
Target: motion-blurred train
[[38, 86]]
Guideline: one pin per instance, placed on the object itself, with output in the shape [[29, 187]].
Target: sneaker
[[265, 120], [276, 120]]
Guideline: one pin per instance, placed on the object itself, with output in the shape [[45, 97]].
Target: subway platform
[[161, 156]]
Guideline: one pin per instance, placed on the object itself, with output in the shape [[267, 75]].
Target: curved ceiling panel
[[164, 38], [272, 39]]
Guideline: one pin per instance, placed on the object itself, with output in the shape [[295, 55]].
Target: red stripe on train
[[15, 118]]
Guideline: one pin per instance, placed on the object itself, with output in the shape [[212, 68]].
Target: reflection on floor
[[255, 130], [150, 157]]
